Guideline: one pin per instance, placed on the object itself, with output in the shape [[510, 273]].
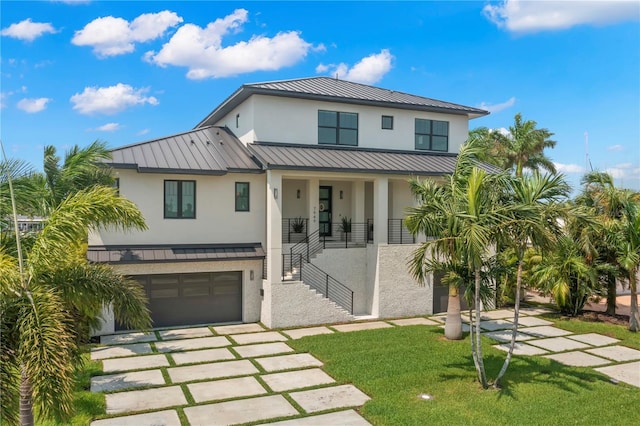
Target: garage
[[195, 298]]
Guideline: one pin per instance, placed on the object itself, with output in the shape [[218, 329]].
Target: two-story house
[[284, 205]]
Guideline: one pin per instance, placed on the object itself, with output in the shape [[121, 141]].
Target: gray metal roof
[[208, 150], [334, 90], [322, 158], [174, 253]]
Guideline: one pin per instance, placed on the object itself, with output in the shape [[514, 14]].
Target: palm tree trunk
[[611, 294], [482, 375], [26, 402], [514, 332], [453, 324], [634, 316]]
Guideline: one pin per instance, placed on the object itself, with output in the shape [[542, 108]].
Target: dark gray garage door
[[186, 299]]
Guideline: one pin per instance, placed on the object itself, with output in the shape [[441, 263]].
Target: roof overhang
[[136, 254]]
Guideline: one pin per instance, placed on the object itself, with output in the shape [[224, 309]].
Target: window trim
[[430, 134], [382, 122], [179, 197], [248, 196], [337, 127]]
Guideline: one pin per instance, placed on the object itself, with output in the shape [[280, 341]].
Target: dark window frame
[[390, 120], [430, 135], [238, 197], [179, 199], [338, 127]]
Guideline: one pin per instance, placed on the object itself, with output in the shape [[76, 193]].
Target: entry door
[[325, 211]]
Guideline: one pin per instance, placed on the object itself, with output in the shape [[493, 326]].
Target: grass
[[394, 366], [578, 326]]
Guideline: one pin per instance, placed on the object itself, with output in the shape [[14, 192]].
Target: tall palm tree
[[629, 252], [42, 298]]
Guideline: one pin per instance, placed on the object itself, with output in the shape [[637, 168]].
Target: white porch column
[[380, 210], [274, 226], [357, 201], [313, 189]]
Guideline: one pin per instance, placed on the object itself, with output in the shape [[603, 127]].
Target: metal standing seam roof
[[175, 253], [209, 150], [335, 90], [322, 158]]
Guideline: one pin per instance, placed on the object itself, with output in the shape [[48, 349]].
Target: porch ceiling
[[174, 253]]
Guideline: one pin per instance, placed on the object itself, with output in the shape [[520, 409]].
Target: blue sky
[[76, 71]]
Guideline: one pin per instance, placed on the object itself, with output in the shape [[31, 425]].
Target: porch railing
[[294, 229], [300, 269], [397, 233]]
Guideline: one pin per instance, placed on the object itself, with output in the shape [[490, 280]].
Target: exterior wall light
[[341, 194], [275, 193], [298, 194]]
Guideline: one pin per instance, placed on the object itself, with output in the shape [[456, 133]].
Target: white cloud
[[33, 105], [532, 16], [368, 70], [569, 168], [110, 36], [201, 51], [110, 100], [615, 148], [143, 132], [28, 30], [109, 127], [498, 107]]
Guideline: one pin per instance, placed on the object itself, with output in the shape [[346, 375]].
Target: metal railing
[[299, 269], [294, 229], [397, 233]]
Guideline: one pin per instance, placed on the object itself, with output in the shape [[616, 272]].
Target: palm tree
[[522, 148], [629, 251], [42, 297]]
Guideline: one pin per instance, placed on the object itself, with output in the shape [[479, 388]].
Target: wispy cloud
[[533, 16], [201, 50], [28, 30], [569, 168], [615, 148], [498, 107], [111, 99], [143, 132], [109, 127], [110, 36], [33, 105], [368, 70]]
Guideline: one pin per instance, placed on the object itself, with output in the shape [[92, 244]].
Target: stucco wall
[[294, 304], [216, 219], [240, 121], [399, 294]]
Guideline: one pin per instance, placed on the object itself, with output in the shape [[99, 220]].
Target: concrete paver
[[531, 321], [240, 411], [357, 326], [120, 351], [578, 359], [594, 339], [125, 338], [342, 418], [413, 321], [441, 318], [135, 379], [225, 389], [185, 333], [308, 331], [329, 398], [288, 362], [535, 311], [616, 353], [189, 344], [142, 400], [505, 336], [211, 371], [157, 418], [238, 328], [279, 382], [203, 355], [497, 324], [497, 314], [269, 336], [522, 349], [262, 349], [545, 331], [628, 373], [558, 344], [134, 363]]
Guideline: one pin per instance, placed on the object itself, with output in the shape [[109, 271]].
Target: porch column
[[357, 201], [313, 190], [274, 226], [380, 210]]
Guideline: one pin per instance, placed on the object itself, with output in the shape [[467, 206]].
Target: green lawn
[[394, 366]]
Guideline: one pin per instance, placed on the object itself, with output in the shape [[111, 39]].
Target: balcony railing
[[294, 229], [397, 233]]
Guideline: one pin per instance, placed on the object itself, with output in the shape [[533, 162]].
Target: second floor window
[[337, 128], [242, 196], [179, 199], [432, 135]]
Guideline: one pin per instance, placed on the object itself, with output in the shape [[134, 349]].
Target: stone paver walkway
[[243, 373]]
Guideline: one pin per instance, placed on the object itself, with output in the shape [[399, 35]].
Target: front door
[[324, 221]]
